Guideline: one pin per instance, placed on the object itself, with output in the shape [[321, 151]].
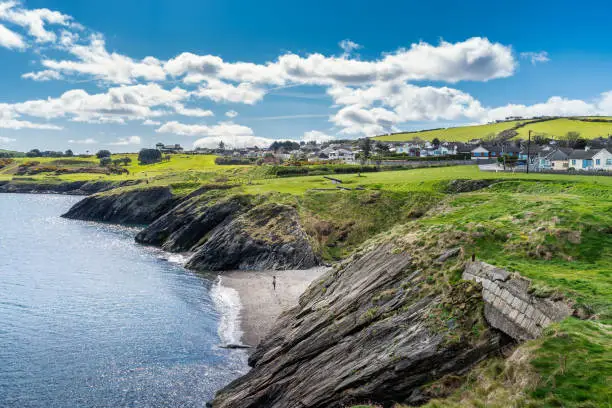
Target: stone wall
[[508, 305]]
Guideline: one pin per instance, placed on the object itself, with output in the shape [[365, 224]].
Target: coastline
[[259, 304]]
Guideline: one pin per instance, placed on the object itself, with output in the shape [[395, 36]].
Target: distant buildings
[[176, 148]]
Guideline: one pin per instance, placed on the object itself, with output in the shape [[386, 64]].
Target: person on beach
[[274, 282]]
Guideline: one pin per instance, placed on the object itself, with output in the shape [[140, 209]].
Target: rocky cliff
[[373, 329], [67, 187], [269, 236], [134, 206]]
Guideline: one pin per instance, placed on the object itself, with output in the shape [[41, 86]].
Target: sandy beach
[[261, 303]]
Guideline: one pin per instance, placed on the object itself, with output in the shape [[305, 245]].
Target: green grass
[[552, 128], [558, 128], [453, 134]]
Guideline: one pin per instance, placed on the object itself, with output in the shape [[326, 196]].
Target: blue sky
[[126, 74]]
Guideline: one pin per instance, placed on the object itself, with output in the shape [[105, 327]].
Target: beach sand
[[261, 304]]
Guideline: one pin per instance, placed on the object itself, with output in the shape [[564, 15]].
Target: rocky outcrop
[[68, 187], [187, 226], [361, 333], [509, 306], [133, 206], [268, 236]]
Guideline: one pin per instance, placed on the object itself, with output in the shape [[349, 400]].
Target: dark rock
[[188, 224], [467, 185], [235, 346], [268, 236], [136, 206], [336, 349]]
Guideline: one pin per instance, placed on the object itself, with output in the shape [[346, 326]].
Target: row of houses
[[549, 157]]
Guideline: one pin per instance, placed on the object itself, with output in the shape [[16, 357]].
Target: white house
[[586, 160], [602, 160]]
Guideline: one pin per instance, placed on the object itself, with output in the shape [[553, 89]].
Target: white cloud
[[348, 46], [124, 141], [150, 122], [35, 20], [536, 57], [10, 39], [87, 141], [4, 139], [222, 129], [555, 106], [238, 142], [46, 75], [231, 114], [316, 136], [196, 112], [93, 59], [356, 120], [114, 106], [223, 92]]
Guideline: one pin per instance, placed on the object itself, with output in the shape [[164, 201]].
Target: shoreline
[[259, 304]]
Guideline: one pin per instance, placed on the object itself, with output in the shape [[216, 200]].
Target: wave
[[227, 302]]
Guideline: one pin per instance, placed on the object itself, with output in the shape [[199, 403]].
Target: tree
[[68, 153], [105, 161], [382, 148], [33, 153], [103, 153], [366, 149], [435, 142], [167, 157], [126, 161], [148, 156], [221, 145], [117, 162]]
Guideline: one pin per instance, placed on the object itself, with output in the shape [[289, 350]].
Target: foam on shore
[[227, 302]]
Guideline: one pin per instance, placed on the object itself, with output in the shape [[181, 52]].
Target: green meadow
[[555, 128]]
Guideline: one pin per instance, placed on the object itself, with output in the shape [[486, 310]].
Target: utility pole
[[528, 151]]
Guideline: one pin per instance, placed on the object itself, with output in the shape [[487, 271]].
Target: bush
[[149, 156], [103, 153], [233, 161]]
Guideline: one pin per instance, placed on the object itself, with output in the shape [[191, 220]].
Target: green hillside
[[555, 127]]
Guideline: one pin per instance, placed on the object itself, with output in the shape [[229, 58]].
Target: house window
[[476, 154], [573, 162], [598, 162], [608, 162]]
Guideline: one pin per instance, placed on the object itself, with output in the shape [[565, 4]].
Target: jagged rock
[[186, 226], [509, 306], [268, 236], [467, 185], [360, 333], [136, 206], [67, 187]]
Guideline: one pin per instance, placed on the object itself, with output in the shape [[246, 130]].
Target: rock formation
[[509, 306], [364, 332], [187, 225], [135, 206], [268, 236]]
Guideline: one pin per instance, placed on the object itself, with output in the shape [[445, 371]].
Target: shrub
[[149, 156]]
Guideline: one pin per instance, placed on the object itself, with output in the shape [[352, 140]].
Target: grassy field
[[552, 128], [454, 134], [558, 128]]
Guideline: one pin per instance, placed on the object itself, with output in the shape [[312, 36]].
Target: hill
[[588, 127]]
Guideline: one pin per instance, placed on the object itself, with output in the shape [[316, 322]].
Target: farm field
[[556, 128]]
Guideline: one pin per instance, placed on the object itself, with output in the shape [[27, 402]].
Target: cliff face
[[68, 187], [138, 206], [269, 236], [367, 331], [187, 225]]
